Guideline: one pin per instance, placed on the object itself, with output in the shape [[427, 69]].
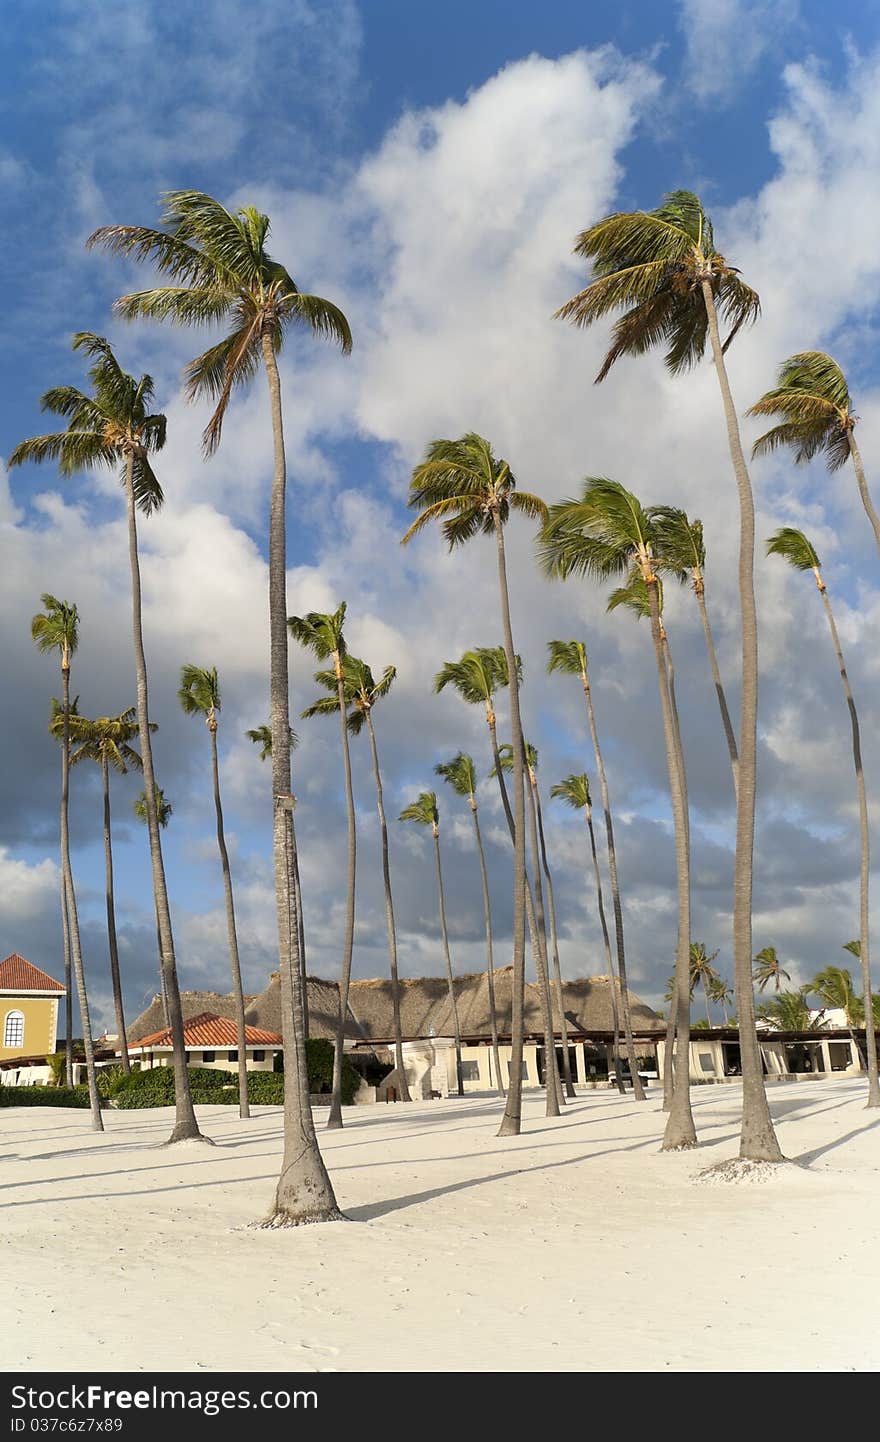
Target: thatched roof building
[[193, 1003], [265, 1010]]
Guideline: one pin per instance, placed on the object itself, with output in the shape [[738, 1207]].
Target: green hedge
[[155, 1087], [38, 1096]]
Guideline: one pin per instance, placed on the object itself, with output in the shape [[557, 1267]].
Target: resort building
[[211, 1041], [29, 1001], [785, 1055]]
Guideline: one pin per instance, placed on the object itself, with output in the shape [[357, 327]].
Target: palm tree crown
[[767, 967], [164, 809], [460, 773], [106, 738], [651, 265], [569, 658], [463, 484], [199, 692], [680, 543], [812, 397], [111, 426], [423, 811], [574, 790], [221, 272], [361, 688], [320, 632], [262, 737], [601, 535], [56, 628], [478, 675], [793, 545]]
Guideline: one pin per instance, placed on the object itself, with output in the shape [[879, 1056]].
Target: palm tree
[[461, 775], [321, 633], [569, 658], [56, 628], [680, 542], [262, 737], [113, 427], [800, 553], [608, 533], [107, 741], [539, 863], [164, 812], [463, 485], [199, 695], [574, 790], [703, 973], [423, 812], [56, 712], [221, 271], [834, 988], [767, 968], [788, 1011], [721, 993], [362, 691], [661, 269], [813, 399]]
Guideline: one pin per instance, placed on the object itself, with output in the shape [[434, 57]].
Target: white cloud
[[726, 39]]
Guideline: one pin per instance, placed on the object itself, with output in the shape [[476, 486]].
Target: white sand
[[575, 1247]]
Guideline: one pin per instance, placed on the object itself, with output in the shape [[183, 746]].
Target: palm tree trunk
[[758, 1139], [668, 1054], [456, 1029], [334, 1121], [706, 994], [231, 934], [185, 1126], [680, 1131], [638, 1089], [72, 918], [296, 893], [68, 982], [865, 866], [304, 1192], [553, 1085], [511, 1122], [490, 964], [389, 918], [609, 963], [865, 494], [719, 690], [554, 942], [111, 921]]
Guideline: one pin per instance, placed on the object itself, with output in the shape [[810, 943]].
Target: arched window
[[13, 1031]]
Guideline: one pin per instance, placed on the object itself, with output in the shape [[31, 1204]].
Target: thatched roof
[[192, 1003], [425, 1008], [265, 1009]]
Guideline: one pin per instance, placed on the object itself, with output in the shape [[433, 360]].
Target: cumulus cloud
[[725, 40]]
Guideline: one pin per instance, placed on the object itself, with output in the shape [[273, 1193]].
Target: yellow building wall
[[194, 1058], [40, 1015]]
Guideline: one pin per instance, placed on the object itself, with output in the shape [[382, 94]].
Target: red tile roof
[[16, 974], [208, 1030]]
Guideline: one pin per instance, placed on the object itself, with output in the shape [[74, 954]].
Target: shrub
[[319, 1060], [57, 1065], [265, 1088], [44, 1096], [154, 1087], [107, 1079]]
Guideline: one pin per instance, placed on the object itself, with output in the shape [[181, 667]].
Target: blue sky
[[428, 166]]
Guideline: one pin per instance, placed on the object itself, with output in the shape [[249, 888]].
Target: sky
[[428, 168]]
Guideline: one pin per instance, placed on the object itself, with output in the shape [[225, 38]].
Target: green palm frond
[[634, 596], [262, 737], [505, 757], [474, 677], [678, 541], [794, 547], [320, 632], [423, 811], [462, 484], [812, 399], [163, 807], [199, 692], [56, 627], [598, 535], [574, 790], [834, 988], [569, 658], [767, 967], [788, 1011], [460, 773]]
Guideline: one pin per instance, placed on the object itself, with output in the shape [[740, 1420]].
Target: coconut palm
[[262, 737], [470, 491], [574, 790], [362, 691], [794, 546], [569, 658], [722, 995], [680, 542], [703, 973], [199, 695], [113, 427], [661, 269], [107, 742], [423, 811], [321, 633], [56, 713], [56, 628], [834, 988], [812, 397], [767, 967], [788, 1011], [461, 775], [221, 272], [608, 533], [539, 863], [164, 812]]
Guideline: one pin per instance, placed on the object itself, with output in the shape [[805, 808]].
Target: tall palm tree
[[56, 628], [423, 811], [574, 790], [680, 542], [221, 272], [662, 270], [461, 774], [608, 533], [539, 863], [362, 691], [834, 988], [788, 1011], [56, 715], [113, 427], [470, 491], [569, 658], [164, 813], [321, 633], [199, 695], [107, 742], [721, 993], [794, 546], [767, 967], [703, 972], [812, 397], [262, 737]]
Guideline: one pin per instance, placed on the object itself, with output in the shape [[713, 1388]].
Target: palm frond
[[574, 790], [199, 691], [567, 657], [794, 547], [322, 317], [423, 811]]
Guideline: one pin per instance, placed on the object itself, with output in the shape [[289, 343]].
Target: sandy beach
[[576, 1247]]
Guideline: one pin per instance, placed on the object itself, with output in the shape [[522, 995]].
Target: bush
[[154, 1087], [107, 1080], [57, 1065], [265, 1088], [44, 1096], [319, 1060]]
